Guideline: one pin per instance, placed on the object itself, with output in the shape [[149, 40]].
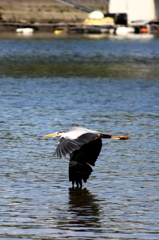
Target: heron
[[84, 146]]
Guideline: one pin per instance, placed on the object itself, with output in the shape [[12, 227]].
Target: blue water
[[51, 84]]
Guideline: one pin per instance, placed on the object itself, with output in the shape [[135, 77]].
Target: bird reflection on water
[[84, 209]]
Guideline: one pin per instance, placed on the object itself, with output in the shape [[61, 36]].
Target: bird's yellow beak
[[51, 135]]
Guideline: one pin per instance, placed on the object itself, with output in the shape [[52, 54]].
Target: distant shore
[[48, 11], [50, 15], [47, 15]]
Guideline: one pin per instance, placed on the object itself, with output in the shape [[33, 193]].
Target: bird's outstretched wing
[[79, 168], [79, 172], [67, 145]]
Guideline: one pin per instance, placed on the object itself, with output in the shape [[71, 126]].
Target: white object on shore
[[96, 15], [25, 30], [124, 30]]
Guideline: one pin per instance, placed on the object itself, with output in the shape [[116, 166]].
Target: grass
[[45, 11]]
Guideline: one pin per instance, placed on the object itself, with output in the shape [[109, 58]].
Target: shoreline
[[53, 16], [45, 27], [71, 27]]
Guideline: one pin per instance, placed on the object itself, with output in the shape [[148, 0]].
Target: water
[[50, 84]]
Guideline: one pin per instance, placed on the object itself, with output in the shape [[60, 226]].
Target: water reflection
[[84, 208]]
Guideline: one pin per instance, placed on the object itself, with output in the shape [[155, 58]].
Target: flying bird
[[83, 145]]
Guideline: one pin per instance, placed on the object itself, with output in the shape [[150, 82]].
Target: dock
[[152, 27]]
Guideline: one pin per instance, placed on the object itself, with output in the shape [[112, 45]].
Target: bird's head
[[56, 134]]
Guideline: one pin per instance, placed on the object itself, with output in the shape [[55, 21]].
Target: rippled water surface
[[49, 84]]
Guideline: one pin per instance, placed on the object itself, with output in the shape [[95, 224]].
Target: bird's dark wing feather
[[79, 172], [79, 168], [85, 138], [88, 152], [67, 146]]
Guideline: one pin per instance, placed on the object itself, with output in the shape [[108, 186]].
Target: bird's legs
[[78, 184]]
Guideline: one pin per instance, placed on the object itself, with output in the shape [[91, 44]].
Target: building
[[136, 10]]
